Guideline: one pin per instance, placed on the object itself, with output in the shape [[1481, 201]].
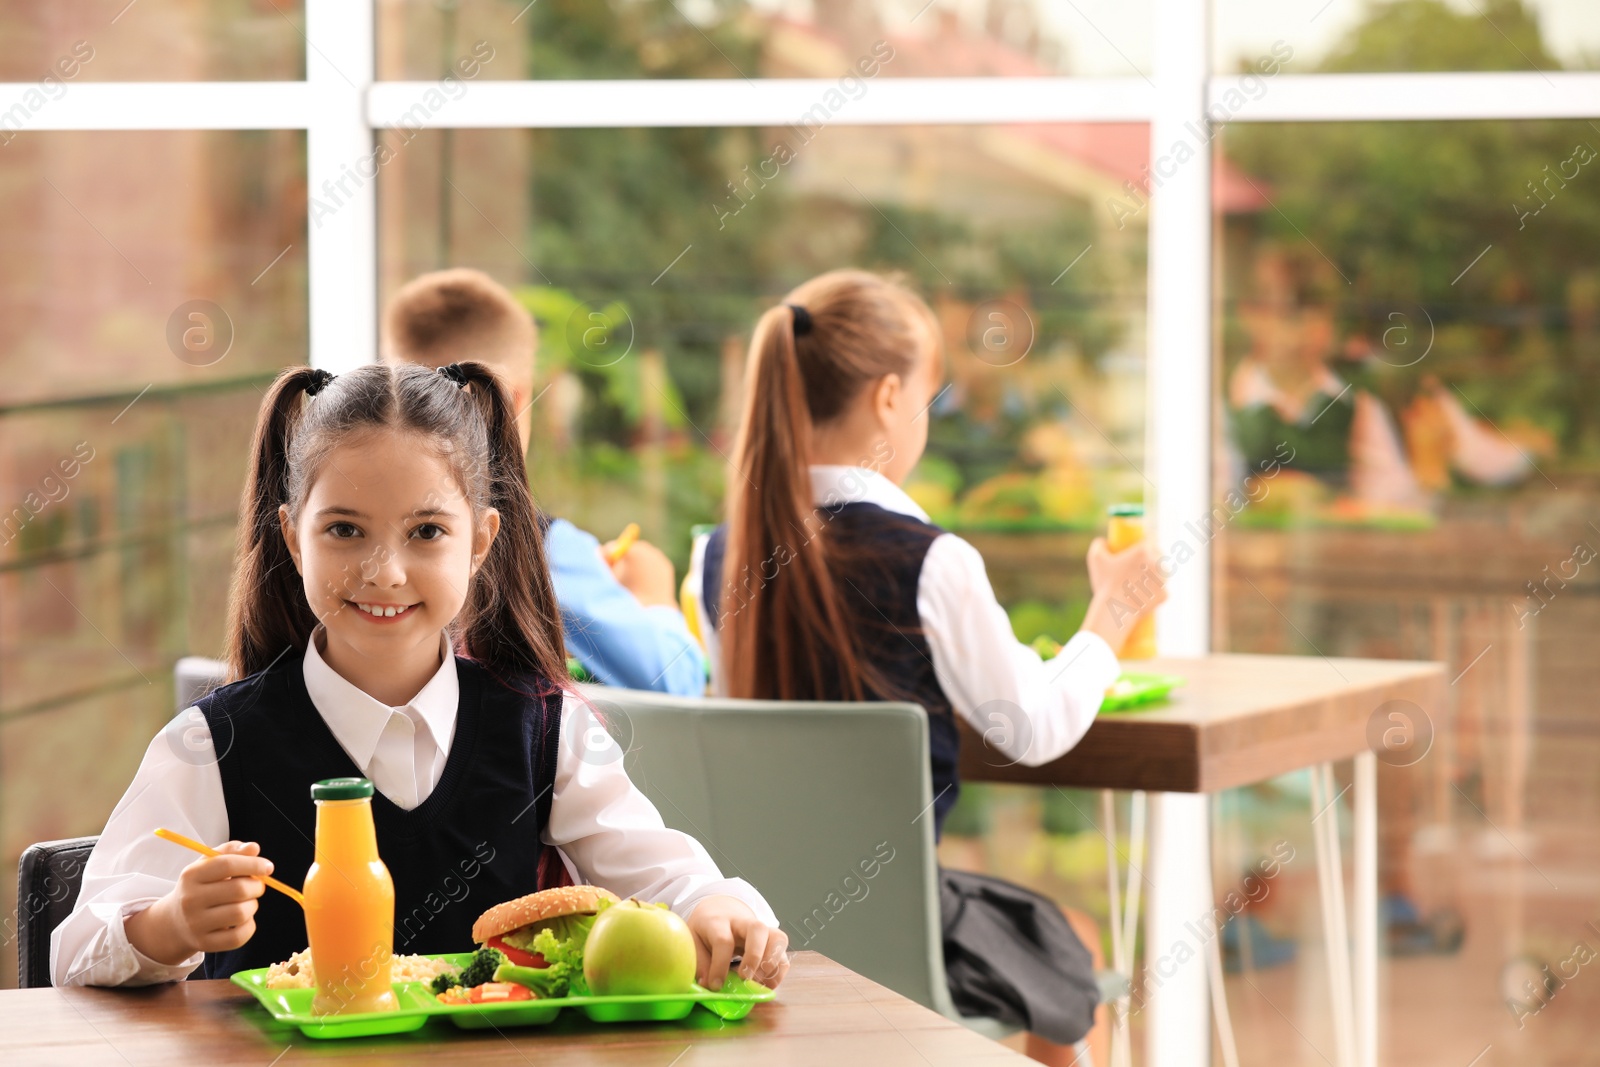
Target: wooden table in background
[[824, 1014], [1239, 720]]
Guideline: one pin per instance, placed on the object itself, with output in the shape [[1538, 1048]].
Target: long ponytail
[[783, 625], [268, 614], [789, 622], [511, 619]]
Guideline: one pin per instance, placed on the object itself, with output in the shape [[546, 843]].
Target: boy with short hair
[[454, 315]]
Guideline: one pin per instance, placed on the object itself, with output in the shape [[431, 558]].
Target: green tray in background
[[418, 1004], [1137, 690]]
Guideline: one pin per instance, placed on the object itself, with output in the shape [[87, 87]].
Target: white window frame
[[342, 106]]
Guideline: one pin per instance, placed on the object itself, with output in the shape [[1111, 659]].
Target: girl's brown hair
[[784, 623], [510, 621]]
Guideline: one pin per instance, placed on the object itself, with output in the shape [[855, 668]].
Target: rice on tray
[[296, 973]]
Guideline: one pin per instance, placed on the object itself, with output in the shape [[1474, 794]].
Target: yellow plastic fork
[[206, 850]]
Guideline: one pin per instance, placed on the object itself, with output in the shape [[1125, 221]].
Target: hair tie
[[456, 373], [318, 381], [802, 319]]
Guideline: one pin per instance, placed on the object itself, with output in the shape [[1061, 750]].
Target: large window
[[1040, 296], [1407, 442], [150, 285], [1168, 242]]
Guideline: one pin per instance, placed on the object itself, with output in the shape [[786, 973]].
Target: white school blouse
[[608, 832], [977, 658]]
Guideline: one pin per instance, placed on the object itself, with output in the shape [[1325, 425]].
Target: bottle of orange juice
[[349, 903], [1124, 529]]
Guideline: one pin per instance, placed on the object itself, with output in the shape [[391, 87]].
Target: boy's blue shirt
[[616, 639]]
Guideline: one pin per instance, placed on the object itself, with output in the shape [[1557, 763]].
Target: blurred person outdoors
[[1300, 398]]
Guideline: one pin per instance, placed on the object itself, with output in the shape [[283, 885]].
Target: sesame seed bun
[[536, 907]]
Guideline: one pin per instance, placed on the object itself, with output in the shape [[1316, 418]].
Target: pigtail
[[267, 609], [511, 619], [783, 625]]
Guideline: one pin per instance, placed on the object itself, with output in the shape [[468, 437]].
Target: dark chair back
[[48, 879]]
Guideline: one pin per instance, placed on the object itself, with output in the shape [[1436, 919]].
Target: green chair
[[827, 808]]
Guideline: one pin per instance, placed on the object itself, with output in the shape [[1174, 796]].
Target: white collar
[[835, 485], [357, 719]]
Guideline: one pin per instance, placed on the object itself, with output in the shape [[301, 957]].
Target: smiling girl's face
[[386, 545]]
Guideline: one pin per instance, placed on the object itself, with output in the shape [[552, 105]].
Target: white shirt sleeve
[[614, 836], [1379, 470], [177, 786], [1030, 710]]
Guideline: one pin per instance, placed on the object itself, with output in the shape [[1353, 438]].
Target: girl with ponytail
[[828, 582], [392, 618]]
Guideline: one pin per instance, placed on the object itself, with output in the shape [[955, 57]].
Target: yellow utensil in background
[[629, 535]]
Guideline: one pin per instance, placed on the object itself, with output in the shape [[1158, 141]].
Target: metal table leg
[[1365, 801], [1335, 925], [1178, 1033]]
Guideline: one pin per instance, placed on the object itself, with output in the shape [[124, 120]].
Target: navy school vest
[[1319, 445], [881, 600], [473, 843]]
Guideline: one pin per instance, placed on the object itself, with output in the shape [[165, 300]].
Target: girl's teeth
[[388, 612]]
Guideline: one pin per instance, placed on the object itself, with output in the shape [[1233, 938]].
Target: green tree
[[1401, 209]]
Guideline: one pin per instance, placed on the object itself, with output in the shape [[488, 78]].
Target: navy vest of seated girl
[[472, 843]]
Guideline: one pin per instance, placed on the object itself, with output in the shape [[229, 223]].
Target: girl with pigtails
[[391, 618], [828, 582]]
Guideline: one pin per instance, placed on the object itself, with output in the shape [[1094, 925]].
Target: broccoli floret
[[552, 981], [482, 966], [441, 982]]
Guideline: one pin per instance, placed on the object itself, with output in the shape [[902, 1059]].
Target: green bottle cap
[[1126, 511], [342, 789]]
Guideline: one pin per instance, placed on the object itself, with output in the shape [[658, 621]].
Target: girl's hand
[[211, 909], [1127, 586], [724, 927]]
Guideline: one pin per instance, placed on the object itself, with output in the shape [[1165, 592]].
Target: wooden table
[[823, 1014], [1239, 720], [1236, 721]]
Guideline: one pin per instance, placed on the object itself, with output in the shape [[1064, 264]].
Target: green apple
[[638, 948]]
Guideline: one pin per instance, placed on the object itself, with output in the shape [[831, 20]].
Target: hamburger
[[566, 913], [536, 941]]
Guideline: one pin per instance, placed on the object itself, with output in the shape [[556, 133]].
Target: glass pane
[[427, 39], [997, 227], [63, 41], [1408, 35], [1409, 435], [150, 285]]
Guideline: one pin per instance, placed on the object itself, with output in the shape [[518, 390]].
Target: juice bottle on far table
[[688, 596], [1124, 529], [349, 903]]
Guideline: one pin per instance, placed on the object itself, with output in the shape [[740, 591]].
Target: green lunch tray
[[1135, 690], [418, 1005]]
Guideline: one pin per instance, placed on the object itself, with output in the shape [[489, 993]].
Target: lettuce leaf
[[564, 928], [560, 941], [566, 954]]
